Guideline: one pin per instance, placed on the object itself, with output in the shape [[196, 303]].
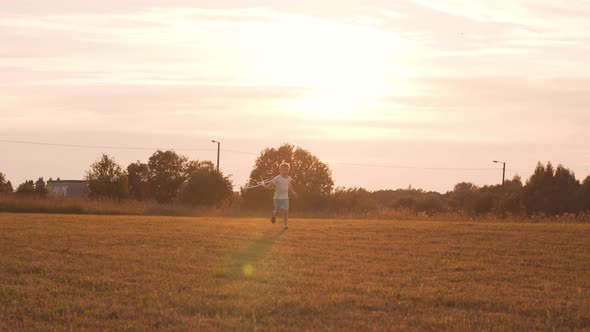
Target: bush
[[206, 187], [352, 200], [431, 204], [106, 179], [26, 188]]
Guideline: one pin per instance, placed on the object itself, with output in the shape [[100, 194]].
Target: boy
[[282, 186]]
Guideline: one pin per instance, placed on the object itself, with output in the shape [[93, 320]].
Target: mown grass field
[[68, 272]]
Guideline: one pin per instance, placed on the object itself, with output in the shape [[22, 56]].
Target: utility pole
[[218, 151], [503, 170]]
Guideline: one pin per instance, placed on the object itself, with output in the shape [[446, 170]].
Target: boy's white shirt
[[281, 186]]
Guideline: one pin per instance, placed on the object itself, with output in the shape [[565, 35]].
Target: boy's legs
[[278, 210], [285, 218], [281, 210], [274, 212]]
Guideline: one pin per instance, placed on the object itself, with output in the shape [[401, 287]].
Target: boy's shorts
[[281, 204]]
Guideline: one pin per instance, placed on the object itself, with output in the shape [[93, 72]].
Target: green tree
[[167, 173], [41, 188], [539, 190], [193, 166], [206, 187], [551, 191], [584, 195], [510, 200], [352, 200], [107, 179], [485, 199], [26, 188], [430, 203], [5, 185], [464, 198], [565, 191], [408, 202], [138, 179], [415, 200], [312, 179]]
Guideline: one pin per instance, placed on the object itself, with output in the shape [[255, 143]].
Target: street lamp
[[503, 170], [218, 150]]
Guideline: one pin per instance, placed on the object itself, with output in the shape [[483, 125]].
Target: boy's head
[[284, 168]]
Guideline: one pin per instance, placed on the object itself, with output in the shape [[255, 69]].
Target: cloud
[[425, 69], [546, 16], [195, 44]]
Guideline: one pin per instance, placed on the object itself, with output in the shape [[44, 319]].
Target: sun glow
[[338, 69], [345, 70]]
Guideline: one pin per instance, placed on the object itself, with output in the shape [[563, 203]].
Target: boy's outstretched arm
[[269, 185]]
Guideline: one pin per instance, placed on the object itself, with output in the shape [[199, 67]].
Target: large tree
[[510, 199], [41, 188], [565, 190], [107, 179], [206, 187], [538, 190], [138, 178], [167, 174], [312, 179], [26, 188], [584, 195], [551, 191], [464, 198], [5, 185], [193, 166]]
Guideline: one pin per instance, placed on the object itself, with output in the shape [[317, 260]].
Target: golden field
[[72, 272]]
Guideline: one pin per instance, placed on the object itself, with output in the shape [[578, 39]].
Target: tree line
[[171, 178], [549, 191], [166, 178], [27, 188]]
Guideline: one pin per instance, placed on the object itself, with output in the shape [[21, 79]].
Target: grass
[[72, 272], [31, 204]]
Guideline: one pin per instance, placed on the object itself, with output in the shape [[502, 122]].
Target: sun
[[344, 70]]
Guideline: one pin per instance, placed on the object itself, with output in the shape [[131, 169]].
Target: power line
[[457, 169], [415, 167], [243, 152], [372, 165], [116, 147]]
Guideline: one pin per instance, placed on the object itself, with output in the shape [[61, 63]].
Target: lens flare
[[248, 269]]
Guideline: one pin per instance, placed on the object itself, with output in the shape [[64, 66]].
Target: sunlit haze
[[388, 93]]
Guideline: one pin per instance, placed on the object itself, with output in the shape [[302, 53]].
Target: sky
[[390, 94]]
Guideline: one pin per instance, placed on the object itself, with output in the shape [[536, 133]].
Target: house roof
[[66, 181]]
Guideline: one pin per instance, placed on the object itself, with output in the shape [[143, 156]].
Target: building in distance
[[67, 188]]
